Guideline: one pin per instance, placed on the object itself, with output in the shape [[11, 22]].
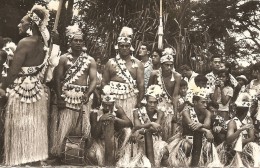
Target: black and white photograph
[[130, 83]]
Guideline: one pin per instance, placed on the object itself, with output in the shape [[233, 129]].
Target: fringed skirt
[[66, 124], [168, 129], [180, 153], [249, 157], [128, 105], [26, 137]]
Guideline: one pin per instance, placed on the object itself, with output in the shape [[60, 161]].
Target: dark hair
[[256, 67], [183, 83], [147, 45], [242, 109], [226, 73], [159, 51], [185, 67], [200, 78], [195, 98], [213, 104], [7, 40]]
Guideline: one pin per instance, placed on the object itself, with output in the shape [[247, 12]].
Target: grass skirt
[[67, 126], [26, 137], [180, 153], [128, 105]]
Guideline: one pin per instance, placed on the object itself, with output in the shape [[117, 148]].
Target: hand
[[195, 125], [209, 135], [136, 136], [61, 104], [156, 126], [55, 37], [246, 126], [217, 129], [107, 117], [85, 99]]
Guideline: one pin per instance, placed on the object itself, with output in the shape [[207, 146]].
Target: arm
[[96, 126], [59, 76], [140, 83], [251, 136], [152, 79], [121, 120], [92, 78], [175, 94], [106, 75], [215, 94], [232, 135], [225, 97], [137, 123], [18, 60]]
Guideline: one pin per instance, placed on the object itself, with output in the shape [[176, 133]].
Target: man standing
[[125, 75], [169, 81], [75, 80], [26, 138], [147, 62]]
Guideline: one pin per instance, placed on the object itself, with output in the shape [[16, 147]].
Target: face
[[222, 77], [216, 63], [213, 110], [151, 103], [77, 42], [155, 58], [107, 106], [241, 82], [167, 67], [98, 64], [255, 73], [143, 51], [124, 49], [184, 73], [201, 104], [183, 90], [24, 25]]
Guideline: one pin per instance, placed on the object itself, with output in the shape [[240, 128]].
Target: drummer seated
[[101, 119]]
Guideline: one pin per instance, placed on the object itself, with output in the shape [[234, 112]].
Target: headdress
[[155, 91], [71, 31], [41, 23], [201, 93], [108, 97], [243, 100], [125, 36], [167, 55]]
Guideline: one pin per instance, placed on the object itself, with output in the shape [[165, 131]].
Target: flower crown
[[108, 97], [167, 55], [155, 91]]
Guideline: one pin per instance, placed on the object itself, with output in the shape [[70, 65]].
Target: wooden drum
[[74, 148]]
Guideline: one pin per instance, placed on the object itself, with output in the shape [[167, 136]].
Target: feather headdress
[[167, 55], [71, 31]]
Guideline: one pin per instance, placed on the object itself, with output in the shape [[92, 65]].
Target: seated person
[[239, 148], [99, 121], [218, 124], [189, 148], [147, 121]]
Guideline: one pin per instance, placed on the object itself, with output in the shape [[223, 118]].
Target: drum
[[74, 148]]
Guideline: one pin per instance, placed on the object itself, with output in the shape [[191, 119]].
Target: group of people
[[130, 112]]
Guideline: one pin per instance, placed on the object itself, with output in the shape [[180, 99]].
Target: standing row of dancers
[[156, 115]]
